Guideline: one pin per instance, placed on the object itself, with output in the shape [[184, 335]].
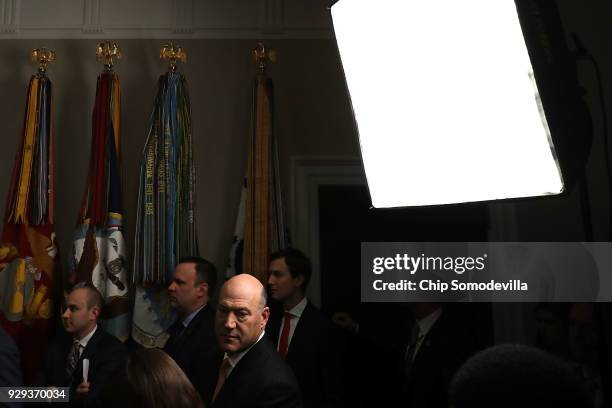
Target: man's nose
[[172, 287], [66, 313], [230, 322]]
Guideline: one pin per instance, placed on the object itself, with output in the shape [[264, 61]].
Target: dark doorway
[[346, 220]]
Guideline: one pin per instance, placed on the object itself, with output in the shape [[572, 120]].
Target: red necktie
[[223, 370], [283, 346]]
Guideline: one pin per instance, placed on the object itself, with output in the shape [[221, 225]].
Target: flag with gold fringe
[[260, 227], [99, 250], [29, 283], [165, 224]]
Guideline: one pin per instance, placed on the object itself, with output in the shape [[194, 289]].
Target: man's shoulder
[[270, 366], [205, 318], [267, 375], [314, 313], [105, 341], [320, 324], [200, 332]]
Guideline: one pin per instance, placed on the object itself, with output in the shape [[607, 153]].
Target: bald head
[[241, 313], [249, 286]]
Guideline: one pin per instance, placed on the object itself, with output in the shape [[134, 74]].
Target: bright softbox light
[[445, 101]]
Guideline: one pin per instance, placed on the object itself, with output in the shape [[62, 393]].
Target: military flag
[[260, 227], [165, 223], [29, 278], [99, 250]]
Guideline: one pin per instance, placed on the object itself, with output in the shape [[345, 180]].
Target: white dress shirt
[[83, 342], [296, 312]]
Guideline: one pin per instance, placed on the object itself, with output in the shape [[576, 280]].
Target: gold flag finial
[[261, 56], [173, 52], [42, 57], [106, 51]]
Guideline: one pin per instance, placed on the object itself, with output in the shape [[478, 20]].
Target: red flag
[[28, 253]]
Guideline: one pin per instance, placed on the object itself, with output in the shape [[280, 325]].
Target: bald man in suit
[[252, 374]]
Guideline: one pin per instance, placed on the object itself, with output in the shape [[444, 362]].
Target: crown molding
[[164, 19]]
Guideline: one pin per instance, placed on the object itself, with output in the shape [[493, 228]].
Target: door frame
[[511, 320]]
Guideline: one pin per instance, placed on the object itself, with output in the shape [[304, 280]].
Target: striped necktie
[[73, 357]]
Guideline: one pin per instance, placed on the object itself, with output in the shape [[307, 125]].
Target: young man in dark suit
[[192, 342], [252, 374], [83, 339], [312, 345]]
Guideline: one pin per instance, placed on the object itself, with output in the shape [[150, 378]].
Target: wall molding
[[164, 19], [92, 16], [308, 174], [9, 16]]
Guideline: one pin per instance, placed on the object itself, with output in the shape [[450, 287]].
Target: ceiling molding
[[272, 16], [164, 19], [92, 16], [183, 13], [9, 14]]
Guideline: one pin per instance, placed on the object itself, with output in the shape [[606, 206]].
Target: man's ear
[[265, 315], [203, 288], [300, 280], [94, 313]]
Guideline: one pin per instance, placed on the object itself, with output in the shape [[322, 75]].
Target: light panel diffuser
[[445, 101]]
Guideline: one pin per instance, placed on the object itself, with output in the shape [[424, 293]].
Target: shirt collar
[[298, 309], [234, 359], [83, 342], [191, 315], [426, 323]]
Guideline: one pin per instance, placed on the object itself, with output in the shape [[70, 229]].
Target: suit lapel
[[300, 334], [89, 353], [201, 318], [179, 335], [239, 377], [424, 353]]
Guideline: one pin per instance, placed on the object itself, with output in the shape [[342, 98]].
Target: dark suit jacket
[[10, 367], [105, 354], [444, 349], [261, 379], [197, 353], [316, 354]]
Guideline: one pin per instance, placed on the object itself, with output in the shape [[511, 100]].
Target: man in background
[[83, 339], [313, 346], [192, 344]]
